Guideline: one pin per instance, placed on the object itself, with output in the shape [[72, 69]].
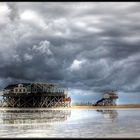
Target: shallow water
[[74, 123]]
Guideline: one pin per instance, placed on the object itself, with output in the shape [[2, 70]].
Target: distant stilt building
[[35, 95], [109, 99]]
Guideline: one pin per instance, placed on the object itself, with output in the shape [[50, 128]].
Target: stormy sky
[[87, 47]]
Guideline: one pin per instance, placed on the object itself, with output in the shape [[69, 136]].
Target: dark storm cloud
[[87, 47]]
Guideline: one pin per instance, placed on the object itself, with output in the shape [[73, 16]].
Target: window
[[23, 90], [16, 90], [20, 90]]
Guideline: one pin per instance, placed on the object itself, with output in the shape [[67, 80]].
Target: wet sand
[[70, 123]]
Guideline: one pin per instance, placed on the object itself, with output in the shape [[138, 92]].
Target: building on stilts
[[109, 99], [35, 95]]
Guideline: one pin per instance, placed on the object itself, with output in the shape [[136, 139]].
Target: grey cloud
[[103, 38]]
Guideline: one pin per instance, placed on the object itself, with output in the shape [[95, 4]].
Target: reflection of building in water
[[34, 117], [109, 114]]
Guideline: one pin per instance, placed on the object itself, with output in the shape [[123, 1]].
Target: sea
[[70, 123]]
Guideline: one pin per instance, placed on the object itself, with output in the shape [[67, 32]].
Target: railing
[[38, 88]]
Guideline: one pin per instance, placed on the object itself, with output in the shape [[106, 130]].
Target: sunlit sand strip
[[71, 108]]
